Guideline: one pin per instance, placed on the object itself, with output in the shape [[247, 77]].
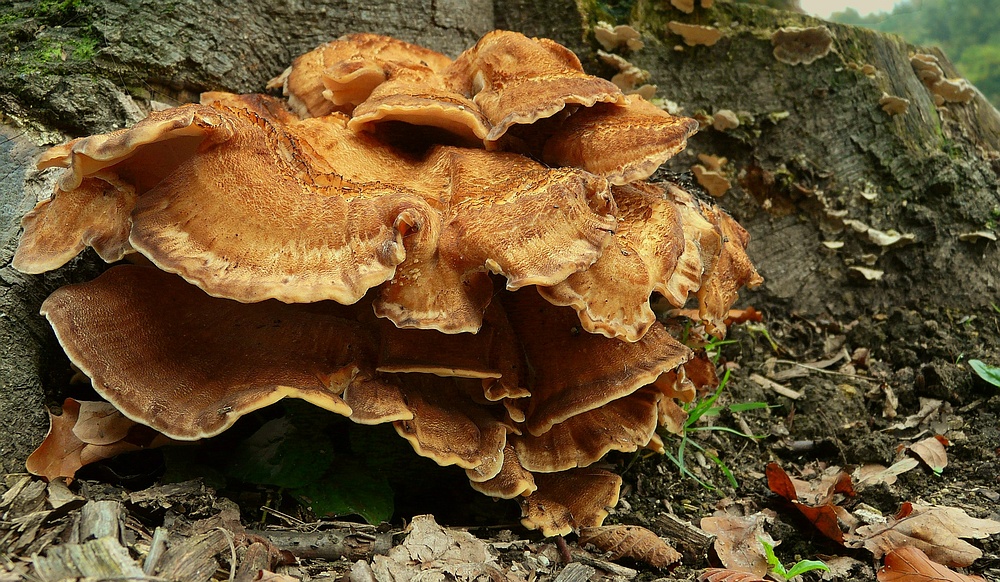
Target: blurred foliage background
[[967, 30]]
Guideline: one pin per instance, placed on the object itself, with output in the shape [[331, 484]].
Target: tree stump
[[853, 212]]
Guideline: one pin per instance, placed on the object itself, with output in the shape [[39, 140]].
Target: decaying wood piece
[[576, 572], [350, 541], [693, 540], [101, 558]]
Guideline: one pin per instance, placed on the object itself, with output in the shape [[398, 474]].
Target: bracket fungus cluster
[[464, 248]]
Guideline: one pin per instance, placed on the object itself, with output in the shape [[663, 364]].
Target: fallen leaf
[[821, 491], [872, 474], [737, 540], [891, 402], [630, 541], [929, 407], [931, 451], [100, 423], [824, 515], [779, 482], [935, 529], [779, 388], [431, 552], [64, 450], [909, 564], [727, 575], [985, 371]]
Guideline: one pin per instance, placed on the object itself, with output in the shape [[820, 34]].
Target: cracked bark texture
[[814, 157]]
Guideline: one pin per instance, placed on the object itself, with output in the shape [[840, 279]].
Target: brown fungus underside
[[482, 280]]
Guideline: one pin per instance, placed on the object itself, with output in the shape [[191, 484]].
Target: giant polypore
[[481, 279]]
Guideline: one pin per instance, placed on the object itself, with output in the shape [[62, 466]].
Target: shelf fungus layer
[[463, 248]]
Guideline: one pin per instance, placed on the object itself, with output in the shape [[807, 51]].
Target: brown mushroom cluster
[[464, 248]]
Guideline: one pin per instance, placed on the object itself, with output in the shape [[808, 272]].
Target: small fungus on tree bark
[[801, 46]]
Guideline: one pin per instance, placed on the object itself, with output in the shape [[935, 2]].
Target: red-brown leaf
[[824, 517], [779, 482], [87, 432]]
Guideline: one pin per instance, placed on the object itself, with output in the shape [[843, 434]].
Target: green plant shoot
[[800, 567], [702, 409]]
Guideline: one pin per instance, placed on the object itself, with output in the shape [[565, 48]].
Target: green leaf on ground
[[987, 372], [283, 455], [348, 488]]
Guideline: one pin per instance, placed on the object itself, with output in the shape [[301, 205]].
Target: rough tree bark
[[814, 160]]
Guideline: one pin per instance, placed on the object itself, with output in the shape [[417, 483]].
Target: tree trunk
[[814, 160]]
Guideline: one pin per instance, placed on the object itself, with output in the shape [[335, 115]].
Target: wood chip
[[609, 567], [353, 543], [692, 540], [100, 519], [103, 558], [575, 572]]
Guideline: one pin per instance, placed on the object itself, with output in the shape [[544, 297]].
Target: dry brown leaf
[[630, 541], [931, 451], [87, 432], [929, 408], [432, 552], [872, 474], [737, 540], [821, 491], [935, 529], [909, 564], [727, 575], [100, 423]]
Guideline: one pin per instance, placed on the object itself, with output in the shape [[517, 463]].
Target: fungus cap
[[419, 96], [695, 34], [449, 427], [511, 482], [612, 296], [555, 346], [626, 424], [338, 75], [623, 143], [515, 79], [94, 214], [801, 46], [568, 500], [188, 365]]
